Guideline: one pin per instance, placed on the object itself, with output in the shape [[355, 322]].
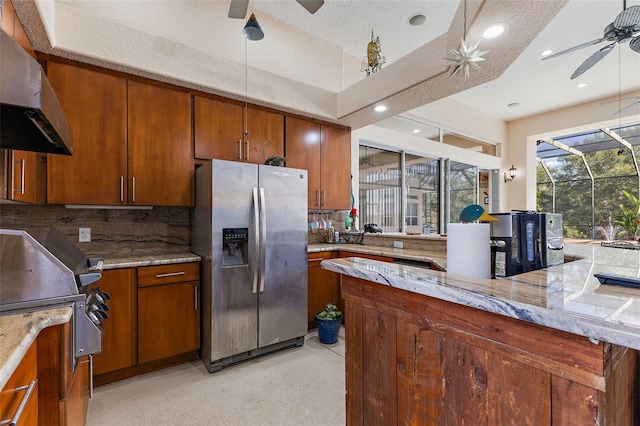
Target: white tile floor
[[297, 386]]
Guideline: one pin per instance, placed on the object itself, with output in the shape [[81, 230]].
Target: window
[[583, 176], [380, 194]]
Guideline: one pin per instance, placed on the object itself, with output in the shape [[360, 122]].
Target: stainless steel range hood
[[31, 117]]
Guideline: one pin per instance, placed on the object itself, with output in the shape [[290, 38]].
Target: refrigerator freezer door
[[230, 306], [283, 299]]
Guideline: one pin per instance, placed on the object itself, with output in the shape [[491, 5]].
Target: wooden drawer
[[15, 390], [167, 274]]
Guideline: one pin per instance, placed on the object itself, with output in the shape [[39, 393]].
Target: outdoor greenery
[[614, 174]]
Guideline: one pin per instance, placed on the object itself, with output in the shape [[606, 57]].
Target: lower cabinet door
[[118, 338], [168, 320]]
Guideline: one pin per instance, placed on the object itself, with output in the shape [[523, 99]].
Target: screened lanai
[[584, 177]]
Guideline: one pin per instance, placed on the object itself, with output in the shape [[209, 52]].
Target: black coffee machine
[[523, 241]]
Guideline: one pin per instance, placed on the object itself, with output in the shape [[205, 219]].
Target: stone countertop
[[565, 297], [438, 258], [118, 255], [19, 331]]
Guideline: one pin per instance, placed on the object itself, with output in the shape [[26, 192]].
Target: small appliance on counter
[[523, 241]]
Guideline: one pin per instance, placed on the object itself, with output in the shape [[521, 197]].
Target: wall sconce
[[512, 174]]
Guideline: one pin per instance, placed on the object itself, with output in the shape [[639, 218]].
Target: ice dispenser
[[235, 242]]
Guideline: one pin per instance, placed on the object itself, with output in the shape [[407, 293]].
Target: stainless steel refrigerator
[[250, 228]]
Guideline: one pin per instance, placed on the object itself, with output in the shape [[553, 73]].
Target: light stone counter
[[19, 331], [565, 297], [131, 255], [438, 258]]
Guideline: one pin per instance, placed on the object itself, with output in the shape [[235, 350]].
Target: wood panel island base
[[413, 359]]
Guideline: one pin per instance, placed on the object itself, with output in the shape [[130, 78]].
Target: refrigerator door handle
[[263, 238], [256, 236]]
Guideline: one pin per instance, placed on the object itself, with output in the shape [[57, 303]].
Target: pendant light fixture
[[252, 30], [468, 55]]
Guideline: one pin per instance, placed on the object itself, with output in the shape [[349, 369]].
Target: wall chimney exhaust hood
[[31, 117]]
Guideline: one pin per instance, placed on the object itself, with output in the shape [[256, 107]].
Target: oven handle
[[95, 272]]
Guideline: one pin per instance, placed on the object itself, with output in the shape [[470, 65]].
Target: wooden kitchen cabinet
[[24, 176], [16, 389], [168, 311], [131, 141], [11, 25], [323, 286], [159, 149], [63, 381], [219, 131], [413, 359], [118, 339], [325, 151], [96, 107]]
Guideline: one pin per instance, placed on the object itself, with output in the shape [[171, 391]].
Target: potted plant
[[629, 219], [328, 323]]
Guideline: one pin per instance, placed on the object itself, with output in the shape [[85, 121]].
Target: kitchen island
[[546, 347]]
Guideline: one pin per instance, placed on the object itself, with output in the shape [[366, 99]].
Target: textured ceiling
[[311, 63]]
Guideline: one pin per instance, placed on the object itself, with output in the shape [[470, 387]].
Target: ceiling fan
[[238, 8], [626, 27]]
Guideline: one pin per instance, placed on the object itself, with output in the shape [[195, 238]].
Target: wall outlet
[[84, 235], [398, 244]]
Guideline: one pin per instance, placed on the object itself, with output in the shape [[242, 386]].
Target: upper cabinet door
[[265, 136], [160, 156], [303, 152], [218, 129], [335, 168], [96, 106]]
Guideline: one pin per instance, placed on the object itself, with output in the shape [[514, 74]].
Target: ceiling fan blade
[[628, 18], [635, 104], [238, 9], [573, 49], [592, 60], [312, 6]]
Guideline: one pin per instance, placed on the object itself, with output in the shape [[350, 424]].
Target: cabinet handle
[[195, 298], [133, 189], [121, 189], [323, 198], [240, 149], [170, 274], [23, 403], [21, 190], [246, 158], [318, 198]]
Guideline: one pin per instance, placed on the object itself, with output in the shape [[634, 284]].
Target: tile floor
[[297, 386]]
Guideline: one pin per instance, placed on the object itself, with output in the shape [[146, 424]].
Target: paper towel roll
[[469, 249]]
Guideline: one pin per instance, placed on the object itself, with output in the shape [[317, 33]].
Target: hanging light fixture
[[468, 55], [252, 30]]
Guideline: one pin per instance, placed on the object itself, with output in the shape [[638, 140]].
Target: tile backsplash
[[165, 225]]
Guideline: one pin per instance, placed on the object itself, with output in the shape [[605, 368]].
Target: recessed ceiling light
[[513, 104], [416, 130], [495, 30], [380, 108], [417, 19], [581, 85], [546, 52]]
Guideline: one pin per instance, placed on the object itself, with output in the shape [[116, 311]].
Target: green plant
[[629, 219], [331, 312]]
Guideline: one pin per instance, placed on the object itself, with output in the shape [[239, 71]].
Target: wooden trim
[[574, 353], [148, 367]]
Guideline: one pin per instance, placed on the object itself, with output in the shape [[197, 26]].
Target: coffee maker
[[523, 241]]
